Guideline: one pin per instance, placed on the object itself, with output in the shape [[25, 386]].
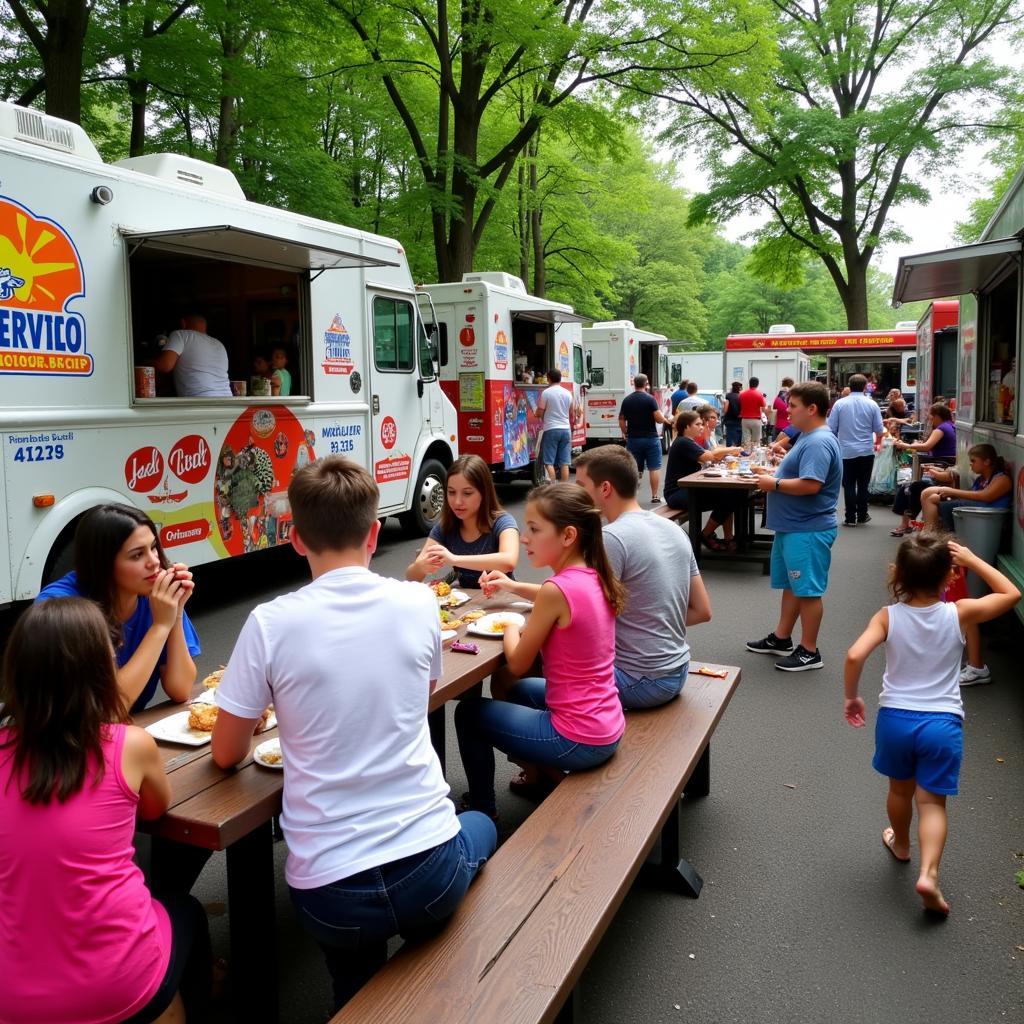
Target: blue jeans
[[649, 691], [733, 433], [353, 918], [520, 727]]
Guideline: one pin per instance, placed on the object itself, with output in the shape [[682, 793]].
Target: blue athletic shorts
[[927, 746], [646, 451], [554, 448], [800, 562]]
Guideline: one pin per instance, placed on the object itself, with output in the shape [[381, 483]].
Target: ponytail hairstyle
[[988, 454], [566, 505], [922, 566], [59, 690]]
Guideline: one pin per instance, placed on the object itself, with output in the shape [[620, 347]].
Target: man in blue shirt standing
[[802, 497], [857, 421]]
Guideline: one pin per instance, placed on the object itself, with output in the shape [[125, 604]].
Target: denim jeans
[[733, 433], [520, 727], [649, 691], [353, 918]]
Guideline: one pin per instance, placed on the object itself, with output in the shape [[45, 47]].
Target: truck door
[[396, 408]]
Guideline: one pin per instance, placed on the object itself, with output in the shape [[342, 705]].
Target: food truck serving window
[[998, 320], [393, 337]]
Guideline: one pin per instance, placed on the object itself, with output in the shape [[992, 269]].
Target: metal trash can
[[980, 529]]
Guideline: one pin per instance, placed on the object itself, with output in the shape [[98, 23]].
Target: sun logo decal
[[40, 276]]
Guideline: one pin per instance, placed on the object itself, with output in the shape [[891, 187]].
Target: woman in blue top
[[474, 534], [991, 489], [120, 565]]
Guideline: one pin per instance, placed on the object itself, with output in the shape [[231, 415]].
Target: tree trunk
[[522, 223], [536, 226], [138, 90], [66, 22], [855, 296]]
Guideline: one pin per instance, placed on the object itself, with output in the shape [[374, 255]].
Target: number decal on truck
[[39, 453]]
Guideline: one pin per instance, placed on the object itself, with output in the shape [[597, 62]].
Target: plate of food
[[494, 624], [454, 600], [195, 726], [269, 754]]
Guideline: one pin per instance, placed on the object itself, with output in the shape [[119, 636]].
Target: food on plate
[[272, 755], [212, 681], [498, 625], [202, 717], [264, 718], [473, 616], [440, 588]]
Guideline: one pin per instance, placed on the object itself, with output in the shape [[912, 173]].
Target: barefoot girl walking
[[919, 730]]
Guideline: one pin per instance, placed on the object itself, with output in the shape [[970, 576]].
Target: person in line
[[939, 444], [554, 408], [571, 719], [678, 395], [687, 456], [120, 564], [280, 372], [781, 406], [474, 533], [731, 416], [709, 419], [692, 399], [639, 415], [81, 938], [653, 560], [857, 423], [375, 848], [752, 405], [992, 488], [802, 495], [919, 728], [198, 362]]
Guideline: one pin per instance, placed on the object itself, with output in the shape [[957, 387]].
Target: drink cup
[[239, 388]]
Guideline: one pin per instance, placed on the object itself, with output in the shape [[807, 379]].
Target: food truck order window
[[998, 318]]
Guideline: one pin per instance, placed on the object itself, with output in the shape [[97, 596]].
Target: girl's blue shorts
[[927, 746]]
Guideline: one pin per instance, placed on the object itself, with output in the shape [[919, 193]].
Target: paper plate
[[268, 747], [487, 625], [448, 634]]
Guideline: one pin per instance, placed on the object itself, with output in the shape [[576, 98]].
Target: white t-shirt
[[557, 403], [923, 650], [347, 662], [202, 367]]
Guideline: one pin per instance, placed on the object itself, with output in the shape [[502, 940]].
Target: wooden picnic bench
[[674, 515], [516, 947]]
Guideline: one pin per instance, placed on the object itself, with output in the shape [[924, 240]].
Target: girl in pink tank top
[[81, 939], [570, 719]]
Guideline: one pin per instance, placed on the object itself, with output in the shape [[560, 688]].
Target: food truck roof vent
[[186, 171], [43, 130], [497, 278], [906, 325], [782, 329], [626, 325]]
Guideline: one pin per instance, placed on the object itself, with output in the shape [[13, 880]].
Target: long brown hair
[[988, 454], [59, 689], [565, 505], [475, 470], [100, 535]]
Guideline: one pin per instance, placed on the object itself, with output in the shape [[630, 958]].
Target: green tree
[[1007, 156], [860, 90]]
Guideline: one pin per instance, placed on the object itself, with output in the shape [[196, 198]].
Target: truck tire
[[61, 560], [427, 499], [538, 474]]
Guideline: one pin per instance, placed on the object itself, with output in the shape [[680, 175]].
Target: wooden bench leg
[[700, 780], [667, 866], [252, 927], [435, 722], [569, 1013]]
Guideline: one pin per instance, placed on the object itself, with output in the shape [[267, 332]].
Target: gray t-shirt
[[653, 559], [202, 367]]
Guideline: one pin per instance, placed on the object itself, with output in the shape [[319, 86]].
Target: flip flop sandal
[[731, 546], [712, 542], [898, 532]]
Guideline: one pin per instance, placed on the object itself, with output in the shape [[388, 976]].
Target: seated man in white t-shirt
[[375, 848], [199, 363]]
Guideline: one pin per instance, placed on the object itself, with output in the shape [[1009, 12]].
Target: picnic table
[[752, 546], [232, 810]]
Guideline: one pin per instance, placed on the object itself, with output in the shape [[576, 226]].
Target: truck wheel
[[61, 560], [427, 499], [539, 476]]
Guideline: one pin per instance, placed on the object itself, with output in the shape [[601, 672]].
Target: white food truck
[[99, 262], [497, 343], [616, 351], [706, 368]]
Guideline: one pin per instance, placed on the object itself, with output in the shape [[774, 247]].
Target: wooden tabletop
[[213, 808], [719, 478]]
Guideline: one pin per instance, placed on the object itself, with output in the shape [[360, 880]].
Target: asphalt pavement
[[804, 916]]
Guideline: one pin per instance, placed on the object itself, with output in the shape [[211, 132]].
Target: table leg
[[252, 925], [695, 520], [666, 866], [435, 722], [699, 783]]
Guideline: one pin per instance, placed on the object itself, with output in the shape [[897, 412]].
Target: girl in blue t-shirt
[[475, 534], [120, 564]]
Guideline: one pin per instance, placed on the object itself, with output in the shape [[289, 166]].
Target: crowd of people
[[378, 846]]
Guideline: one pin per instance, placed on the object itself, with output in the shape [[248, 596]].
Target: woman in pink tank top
[[572, 718], [81, 939]]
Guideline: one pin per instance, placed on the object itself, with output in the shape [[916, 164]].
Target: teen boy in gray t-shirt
[[664, 590]]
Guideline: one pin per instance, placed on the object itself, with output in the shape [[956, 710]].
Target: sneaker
[[971, 676], [655, 500], [866, 519], [801, 660], [849, 522], [771, 644]]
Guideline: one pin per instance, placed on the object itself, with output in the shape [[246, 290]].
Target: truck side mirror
[[432, 348]]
